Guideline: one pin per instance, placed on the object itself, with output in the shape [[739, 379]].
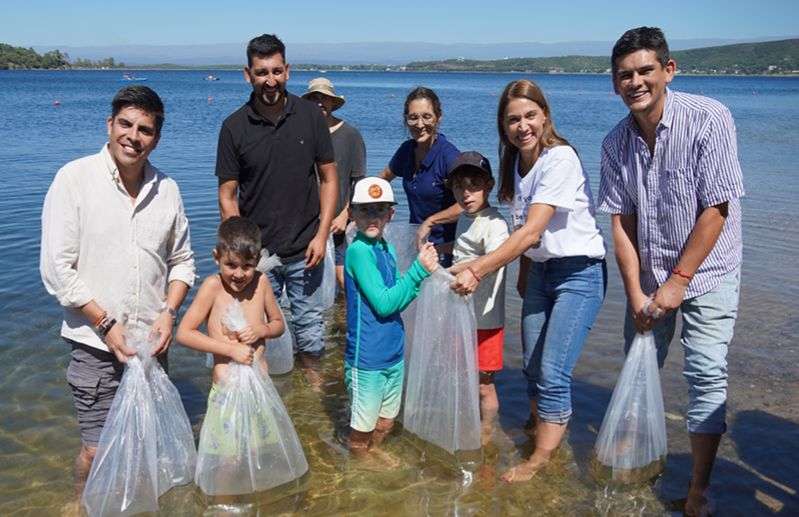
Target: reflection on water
[[757, 471], [38, 438]]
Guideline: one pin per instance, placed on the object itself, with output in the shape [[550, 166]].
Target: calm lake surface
[[757, 471]]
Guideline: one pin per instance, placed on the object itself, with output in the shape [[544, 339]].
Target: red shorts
[[489, 349]]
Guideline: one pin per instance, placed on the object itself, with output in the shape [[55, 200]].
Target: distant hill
[[391, 53], [747, 58], [771, 57]]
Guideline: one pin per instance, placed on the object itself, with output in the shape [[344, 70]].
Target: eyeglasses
[[413, 118], [372, 209]]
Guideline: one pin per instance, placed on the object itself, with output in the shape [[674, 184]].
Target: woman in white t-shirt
[[562, 275]]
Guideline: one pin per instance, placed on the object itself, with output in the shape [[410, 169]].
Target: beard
[[271, 98]]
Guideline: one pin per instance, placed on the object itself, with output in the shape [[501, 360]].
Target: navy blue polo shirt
[[274, 165], [424, 187]]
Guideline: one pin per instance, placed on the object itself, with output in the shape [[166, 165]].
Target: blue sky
[[166, 22]]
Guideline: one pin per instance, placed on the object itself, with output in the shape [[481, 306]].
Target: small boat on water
[[211, 77], [132, 77]]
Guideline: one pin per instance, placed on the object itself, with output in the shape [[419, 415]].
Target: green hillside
[[746, 58], [771, 57], [19, 57]]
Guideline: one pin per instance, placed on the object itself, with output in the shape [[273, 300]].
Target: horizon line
[[559, 42]]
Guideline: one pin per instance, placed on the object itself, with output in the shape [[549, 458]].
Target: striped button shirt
[[694, 166]]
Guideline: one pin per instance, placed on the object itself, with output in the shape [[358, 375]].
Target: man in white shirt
[[116, 253]]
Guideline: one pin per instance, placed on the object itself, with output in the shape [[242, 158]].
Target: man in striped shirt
[[672, 183]]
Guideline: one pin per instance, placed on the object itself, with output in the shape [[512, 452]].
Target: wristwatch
[[172, 312]]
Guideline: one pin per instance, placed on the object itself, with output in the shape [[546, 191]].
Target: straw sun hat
[[325, 87]]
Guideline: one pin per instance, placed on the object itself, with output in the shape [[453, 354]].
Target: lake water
[[757, 470]]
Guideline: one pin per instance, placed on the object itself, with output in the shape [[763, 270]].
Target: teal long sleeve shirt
[[376, 294]]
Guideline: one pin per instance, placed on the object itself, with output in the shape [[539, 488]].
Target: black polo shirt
[[275, 167]]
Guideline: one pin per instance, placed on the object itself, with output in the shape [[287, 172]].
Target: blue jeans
[[561, 301], [707, 327], [302, 288]]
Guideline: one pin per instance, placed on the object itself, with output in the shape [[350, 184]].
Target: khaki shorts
[[94, 376]]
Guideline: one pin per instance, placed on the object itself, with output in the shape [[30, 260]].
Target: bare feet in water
[[312, 370], [697, 505], [378, 460], [525, 471]]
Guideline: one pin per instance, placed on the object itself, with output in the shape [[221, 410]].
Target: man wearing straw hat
[[350, 154]]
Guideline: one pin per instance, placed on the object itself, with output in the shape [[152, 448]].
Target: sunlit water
[[757, 470]]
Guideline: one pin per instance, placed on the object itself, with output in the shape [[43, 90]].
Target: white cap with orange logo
[[372, 190]]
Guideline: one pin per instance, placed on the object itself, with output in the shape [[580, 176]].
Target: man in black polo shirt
[[275, 164]]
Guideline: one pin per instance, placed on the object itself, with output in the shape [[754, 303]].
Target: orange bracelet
[[469, 268], [100, 319], [677, 271]]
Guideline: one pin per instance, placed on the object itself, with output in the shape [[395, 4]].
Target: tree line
[[770, 57], [12, 58]]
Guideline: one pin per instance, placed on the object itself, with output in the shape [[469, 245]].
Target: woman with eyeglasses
[[423, 162]]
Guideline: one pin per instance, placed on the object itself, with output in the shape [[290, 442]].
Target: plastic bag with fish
[[248, 442], [631, 445], [146, 446], [442, 395]]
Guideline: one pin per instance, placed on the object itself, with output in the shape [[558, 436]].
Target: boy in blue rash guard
[[376, 294]]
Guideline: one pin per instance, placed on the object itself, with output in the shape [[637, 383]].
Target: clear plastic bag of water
[[248, 442], [327, 291], [280, 351], [631, 445], [403, 237], [442, 404], [146, 446]]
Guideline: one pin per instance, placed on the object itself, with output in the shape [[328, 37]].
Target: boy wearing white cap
[[376, 294], [350, 153]]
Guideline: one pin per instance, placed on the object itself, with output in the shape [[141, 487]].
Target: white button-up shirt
[[98, 245]]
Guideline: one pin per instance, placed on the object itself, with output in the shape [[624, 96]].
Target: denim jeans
[[302, 288], [561, 301], [708, 321]]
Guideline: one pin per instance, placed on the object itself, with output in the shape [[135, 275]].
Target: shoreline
[[225, 68]]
